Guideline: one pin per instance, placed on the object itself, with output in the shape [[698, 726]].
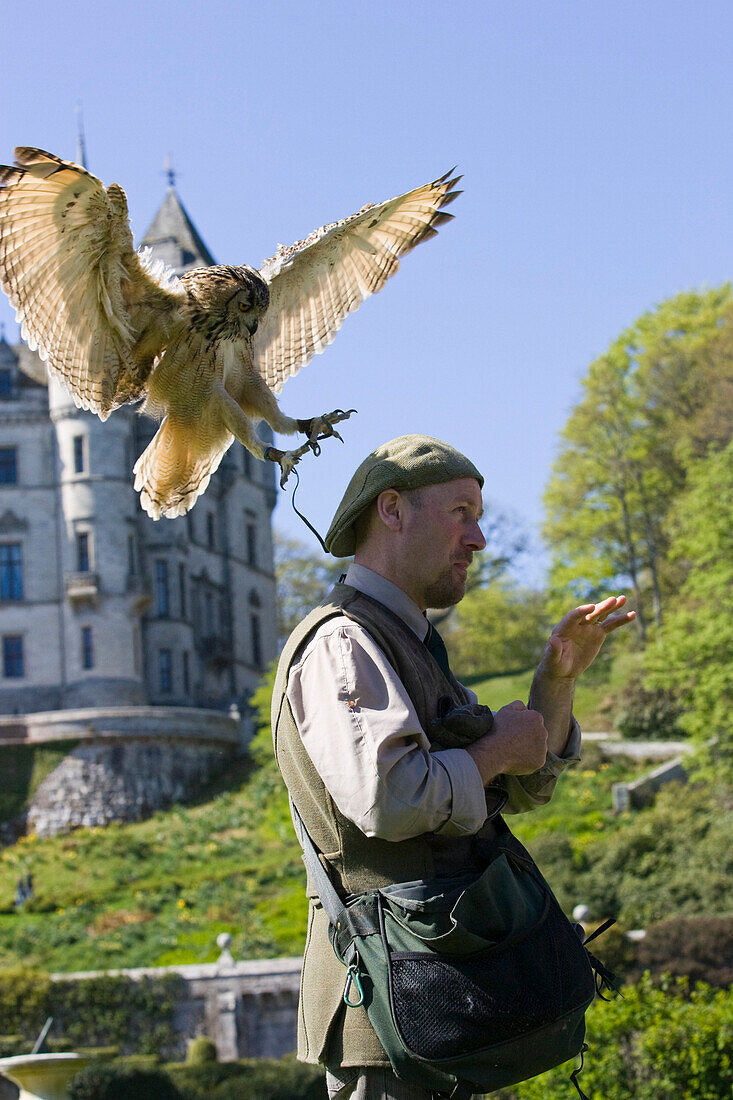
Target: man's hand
[[576, 640], [516, 745]]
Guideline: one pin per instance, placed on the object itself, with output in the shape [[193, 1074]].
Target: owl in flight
[[207, 352]]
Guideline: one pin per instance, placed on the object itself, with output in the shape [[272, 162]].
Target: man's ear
[[390, 509]]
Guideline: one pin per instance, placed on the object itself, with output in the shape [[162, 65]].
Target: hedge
[[136, 1017], [264, 1079], [668, 1042]]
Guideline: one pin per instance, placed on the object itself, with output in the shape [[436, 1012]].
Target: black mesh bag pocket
[[447, 1006]]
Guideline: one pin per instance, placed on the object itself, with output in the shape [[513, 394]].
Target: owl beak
[[253, 328]]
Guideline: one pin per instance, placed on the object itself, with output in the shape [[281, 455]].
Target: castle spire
[[81, 150], [168, 171]]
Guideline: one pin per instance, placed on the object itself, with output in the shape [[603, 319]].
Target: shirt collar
[[385, 592]]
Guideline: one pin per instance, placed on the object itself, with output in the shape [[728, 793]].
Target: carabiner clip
[[353, 979]]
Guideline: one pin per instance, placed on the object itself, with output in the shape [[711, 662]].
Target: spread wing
[[315, 283], [82, 296]]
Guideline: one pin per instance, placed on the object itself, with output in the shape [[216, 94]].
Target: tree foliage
[[651, 1044], [304, 577], [498, 629], [656, 400], [695, 648]]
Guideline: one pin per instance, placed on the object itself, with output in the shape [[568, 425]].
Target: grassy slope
[[159, 891]]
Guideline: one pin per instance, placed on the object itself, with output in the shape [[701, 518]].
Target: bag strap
[[333, 907]]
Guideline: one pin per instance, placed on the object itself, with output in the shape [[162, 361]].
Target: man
[[393, 780]]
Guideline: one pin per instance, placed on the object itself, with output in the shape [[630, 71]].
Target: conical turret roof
[[173, 237]]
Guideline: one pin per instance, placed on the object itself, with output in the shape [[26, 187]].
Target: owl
[[206, 353]]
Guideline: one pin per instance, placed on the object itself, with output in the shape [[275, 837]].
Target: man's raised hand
[[576, 640]]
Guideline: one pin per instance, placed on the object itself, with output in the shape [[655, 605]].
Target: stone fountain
[[43, 1076]]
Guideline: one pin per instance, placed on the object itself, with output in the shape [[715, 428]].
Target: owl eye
[[244, 306]]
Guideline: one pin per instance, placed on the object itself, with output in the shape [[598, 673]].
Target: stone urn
[[43, 1076]]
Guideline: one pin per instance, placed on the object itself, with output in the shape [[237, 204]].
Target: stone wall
[[100, 782], [128, 761], [249, 1009]]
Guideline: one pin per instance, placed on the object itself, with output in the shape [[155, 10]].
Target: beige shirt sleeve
[[361, 731]]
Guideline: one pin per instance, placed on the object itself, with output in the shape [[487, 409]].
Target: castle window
[[182, 589], [256, 641], [8, 466], [251, 536], [87, 652], [131, 562], [186, 674], [13, 656], [6, 382], [83, 555], [79, 464], [11, 571], [210, 531], [162, 595], [247, 463], [165, 671]]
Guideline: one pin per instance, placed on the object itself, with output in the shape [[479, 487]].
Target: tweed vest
[[328, 1031]]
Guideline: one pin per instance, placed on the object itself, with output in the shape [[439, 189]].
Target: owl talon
[[321, 427], [286, 460]]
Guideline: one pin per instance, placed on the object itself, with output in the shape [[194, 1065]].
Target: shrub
[[260, 1079], [647, 714], [24, 1000], [651, 1044], [135, 1016], [114, 1082], [637, 873], [201, 1051], [699, 948]]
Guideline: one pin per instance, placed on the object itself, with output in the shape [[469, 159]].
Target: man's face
[[440, 536]]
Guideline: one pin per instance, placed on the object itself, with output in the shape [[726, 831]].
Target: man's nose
[[475, 538]]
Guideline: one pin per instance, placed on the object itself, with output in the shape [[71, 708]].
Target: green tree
[[304, 577], [498, 629], [654, 402], [695, 648]]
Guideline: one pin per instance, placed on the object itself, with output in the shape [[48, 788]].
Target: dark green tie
[[436, 646]]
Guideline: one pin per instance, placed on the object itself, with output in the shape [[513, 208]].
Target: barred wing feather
[[316, 283], [68, 266]]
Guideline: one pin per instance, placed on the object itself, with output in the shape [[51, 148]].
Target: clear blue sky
[[594, 138]]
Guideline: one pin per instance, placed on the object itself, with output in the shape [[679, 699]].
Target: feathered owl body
[[207, 352]]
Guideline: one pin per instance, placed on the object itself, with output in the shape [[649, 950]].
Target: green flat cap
[[408, 462]]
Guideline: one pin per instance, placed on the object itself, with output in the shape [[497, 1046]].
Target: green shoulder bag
[[472, 983]]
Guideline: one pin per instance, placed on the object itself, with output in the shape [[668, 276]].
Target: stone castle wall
[[126, 763], [101, 782]]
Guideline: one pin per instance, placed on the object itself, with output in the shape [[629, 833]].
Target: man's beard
[[446, 590]]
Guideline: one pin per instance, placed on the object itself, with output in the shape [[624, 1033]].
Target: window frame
[[87, 648], [18, 656], [79, 454], [165, 671], [12, 589], [162, 589], [83, 550], [12, 465]]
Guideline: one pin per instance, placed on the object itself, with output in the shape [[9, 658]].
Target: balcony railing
[[82, 586]]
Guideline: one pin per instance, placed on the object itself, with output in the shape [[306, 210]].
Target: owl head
[[228, 301]]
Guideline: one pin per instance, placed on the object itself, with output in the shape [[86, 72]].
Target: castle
[[116, 628]]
